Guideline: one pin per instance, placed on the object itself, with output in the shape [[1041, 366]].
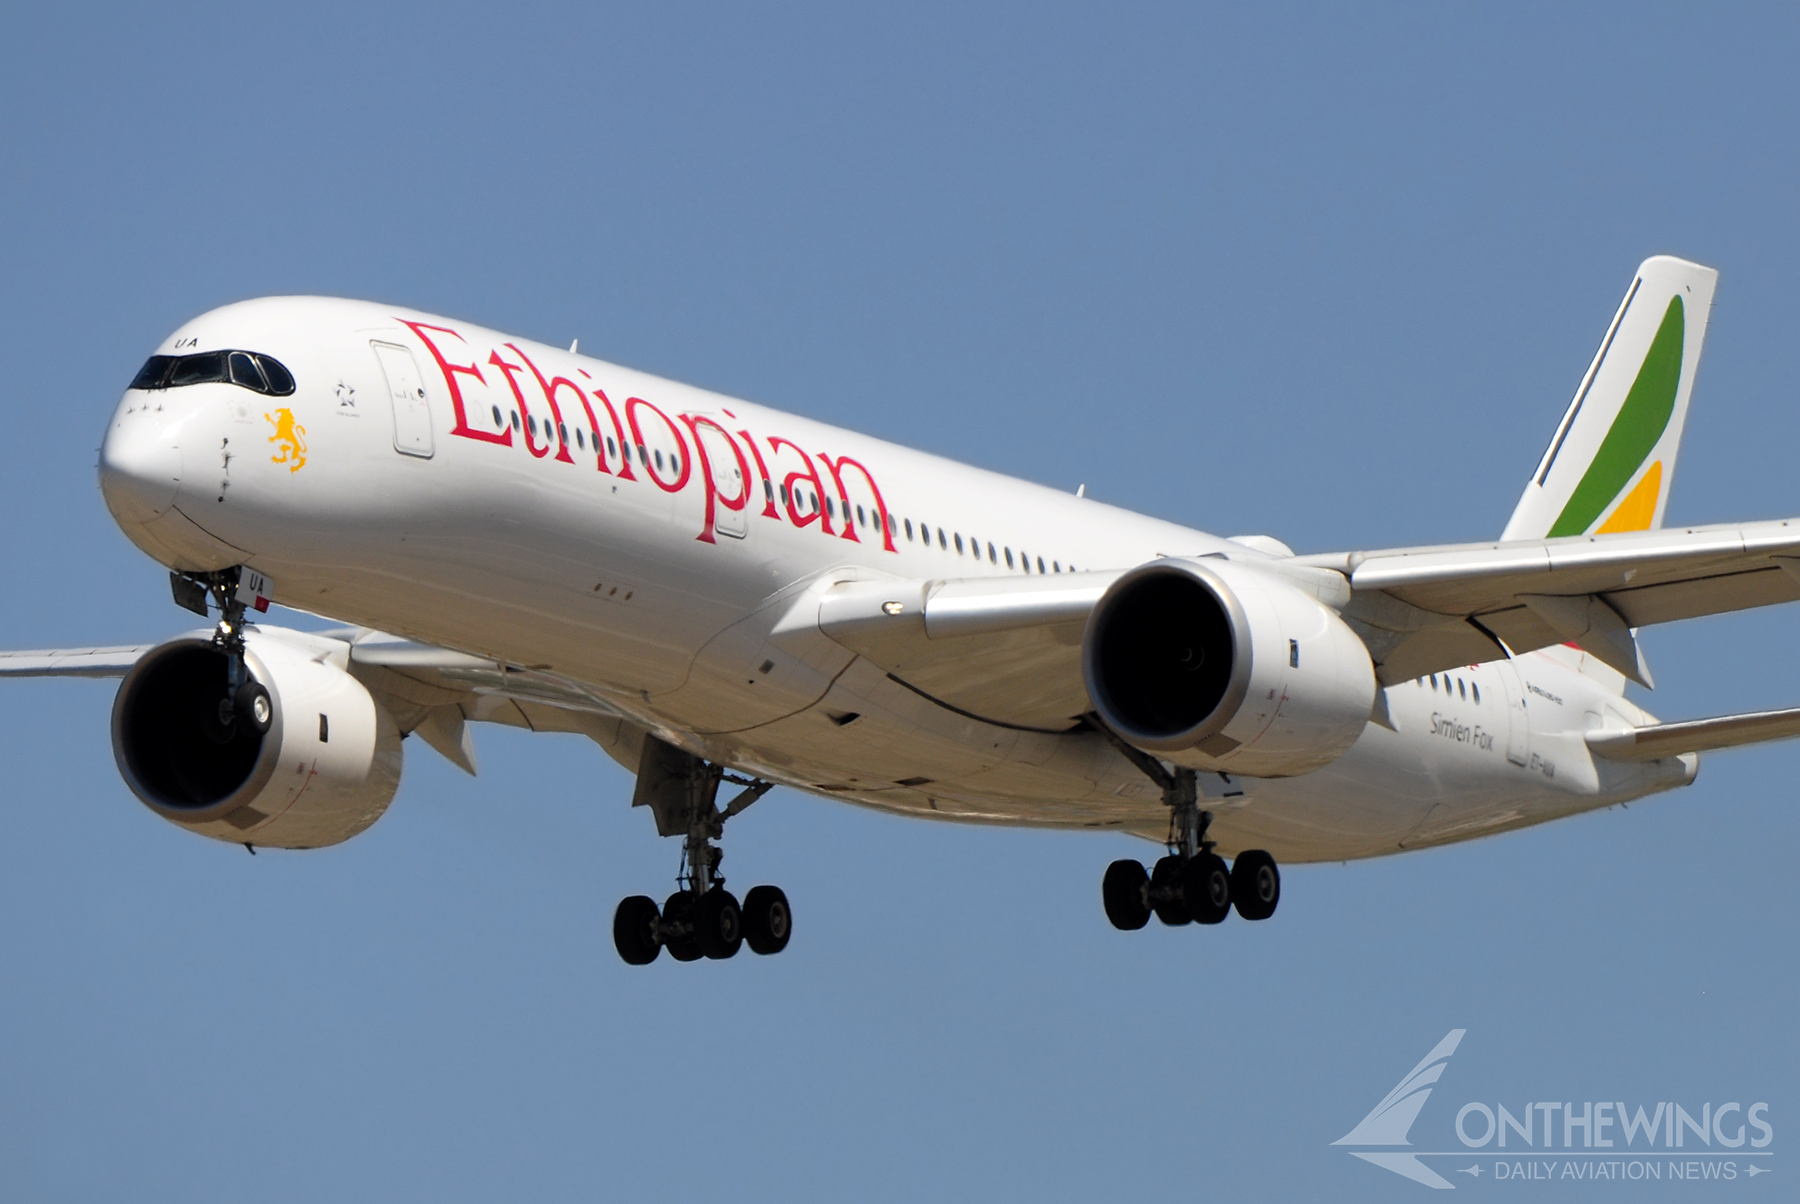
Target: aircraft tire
[[1122, 894], [1255, 885], [1166, 882], [634, 930], [1206, 888], [718, 924], [768, 921], [680, 910], [255, 711]]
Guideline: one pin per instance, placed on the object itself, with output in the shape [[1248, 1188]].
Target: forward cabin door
[[406, 389], [723, 459]]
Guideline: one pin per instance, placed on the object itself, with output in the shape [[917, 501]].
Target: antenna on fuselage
[[1081, 491], [573, 345]]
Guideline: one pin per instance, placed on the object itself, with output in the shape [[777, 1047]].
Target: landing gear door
[[406, 390], [1518, 729]]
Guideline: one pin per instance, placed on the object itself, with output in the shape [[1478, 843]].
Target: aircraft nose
[[140, 463]]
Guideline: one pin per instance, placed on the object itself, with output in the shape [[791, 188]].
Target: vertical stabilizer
[[1611, 463]]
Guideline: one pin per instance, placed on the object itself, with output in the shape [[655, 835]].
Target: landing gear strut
[[245, 704], [1191, 883], [702, 918]]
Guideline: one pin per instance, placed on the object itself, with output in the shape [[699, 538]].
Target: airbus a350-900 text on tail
[[719, 593]]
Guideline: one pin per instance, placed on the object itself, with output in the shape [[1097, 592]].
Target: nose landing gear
[[245, 705], [1191, 883], [702, 918]]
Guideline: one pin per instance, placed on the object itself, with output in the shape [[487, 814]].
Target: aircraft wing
[[429, 690], [1422, 610], [72, 662], [1694, 735], [1008, 650]]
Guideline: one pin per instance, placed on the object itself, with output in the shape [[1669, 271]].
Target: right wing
[[72, 662]]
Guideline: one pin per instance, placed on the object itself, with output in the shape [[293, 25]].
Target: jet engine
[[326, 767], [1221, 666]]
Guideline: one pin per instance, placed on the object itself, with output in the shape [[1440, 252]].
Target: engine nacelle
[[326, 769], [1220, 666]]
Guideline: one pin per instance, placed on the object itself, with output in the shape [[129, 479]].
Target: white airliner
[[716, 592]]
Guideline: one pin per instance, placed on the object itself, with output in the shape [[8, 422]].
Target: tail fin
[[1610, 465]]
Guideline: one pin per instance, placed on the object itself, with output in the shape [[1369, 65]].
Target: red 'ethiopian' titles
[[715, 450]]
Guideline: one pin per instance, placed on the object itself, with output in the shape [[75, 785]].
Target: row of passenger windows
[[559, 432], [804, 500], [252, 370], [1464, 690], [808, 501]]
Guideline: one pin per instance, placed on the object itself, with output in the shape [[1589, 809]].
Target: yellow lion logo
[[291, 437]]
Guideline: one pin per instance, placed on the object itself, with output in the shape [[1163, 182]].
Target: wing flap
[[1005, 650]]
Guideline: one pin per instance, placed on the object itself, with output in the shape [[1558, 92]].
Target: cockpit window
[[154, 372], [245, 372], [254, 371], [197, 370], [281, 381]]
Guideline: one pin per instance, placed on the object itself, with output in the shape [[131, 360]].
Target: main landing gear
[[1191, 884], [244, 705], [702, 918]]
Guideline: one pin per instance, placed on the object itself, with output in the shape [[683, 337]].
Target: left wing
[[1421, 610], [1009, 650]]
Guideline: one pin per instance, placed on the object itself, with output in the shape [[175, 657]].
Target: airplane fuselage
[[640, 541]]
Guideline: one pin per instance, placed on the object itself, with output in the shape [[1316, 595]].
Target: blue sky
[[1328, 274]]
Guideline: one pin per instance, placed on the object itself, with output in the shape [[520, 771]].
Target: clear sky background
[[1330, 274]]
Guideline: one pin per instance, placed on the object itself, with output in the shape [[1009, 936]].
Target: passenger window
[[1056, 566], [562, 432], [1434, 681], [498, 421], [959, 546], [198, 370], [659, 458], [281, 381], [531, 421], [580, 439], [941, 543], [1461, 689], [611, 448], [151, 375], [1040, 564], [674, 461], [992, 558], [860, 520], [1009, 563], [1475, 690]]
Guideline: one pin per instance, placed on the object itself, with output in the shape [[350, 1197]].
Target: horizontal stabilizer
[[1694, 735]]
